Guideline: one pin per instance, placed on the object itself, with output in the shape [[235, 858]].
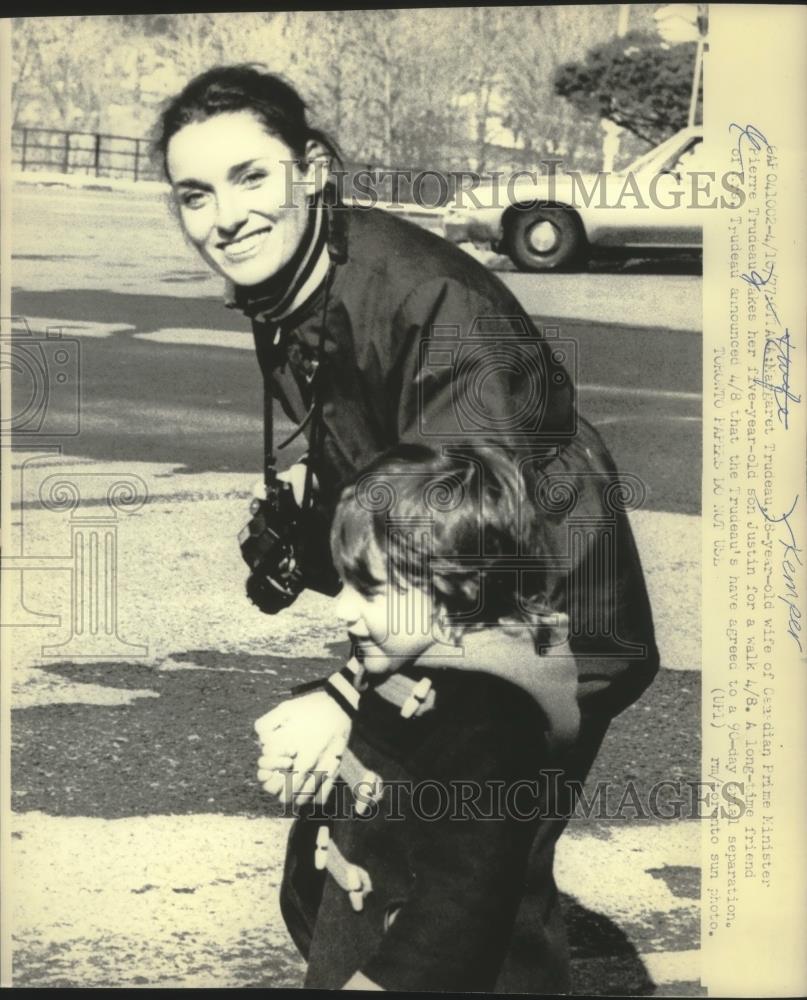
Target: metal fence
[[91, 153], [96, 154]]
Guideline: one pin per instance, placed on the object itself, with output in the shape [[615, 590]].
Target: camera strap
[[313, 417], [336, 241], [315, 434]]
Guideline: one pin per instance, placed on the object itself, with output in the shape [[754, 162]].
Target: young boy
[[453, 714]]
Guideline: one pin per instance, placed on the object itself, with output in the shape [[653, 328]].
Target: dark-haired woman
[[399, 336]]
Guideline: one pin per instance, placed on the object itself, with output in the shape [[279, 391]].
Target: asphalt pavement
[[144, 851]]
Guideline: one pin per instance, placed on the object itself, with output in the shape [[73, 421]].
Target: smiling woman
[[238, 214], [372, 334]]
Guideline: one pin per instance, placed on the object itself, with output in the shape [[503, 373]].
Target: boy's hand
[[302, 742]]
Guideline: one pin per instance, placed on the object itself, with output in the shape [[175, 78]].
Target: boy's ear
[[316, 164], [444, 631], [469, 588]]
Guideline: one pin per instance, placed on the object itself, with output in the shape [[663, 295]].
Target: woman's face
[[241, 194]]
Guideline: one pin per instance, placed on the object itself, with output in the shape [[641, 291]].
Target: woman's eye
[[254, 177], [193, 199]]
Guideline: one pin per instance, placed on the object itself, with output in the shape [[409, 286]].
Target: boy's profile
[[425, 861]]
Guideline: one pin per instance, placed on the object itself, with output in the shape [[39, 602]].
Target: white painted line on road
[[190, 521], [61, 691], [656, 303], [186, 901], [192, 337], [192, 900], [75, 328], [631, 859], [243, 341], [664, 418], [670, 549]]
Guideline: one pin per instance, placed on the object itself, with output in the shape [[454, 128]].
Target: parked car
[[651, 208]]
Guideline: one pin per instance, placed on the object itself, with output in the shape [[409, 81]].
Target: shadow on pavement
[[603, 960], [190, 750]]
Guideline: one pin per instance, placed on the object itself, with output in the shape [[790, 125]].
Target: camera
[[287, 549]]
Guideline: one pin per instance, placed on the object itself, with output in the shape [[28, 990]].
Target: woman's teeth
[[246, 246]]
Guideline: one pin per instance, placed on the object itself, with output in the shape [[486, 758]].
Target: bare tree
[[429, 87], [60, 70], [538, 42], [326, 66]]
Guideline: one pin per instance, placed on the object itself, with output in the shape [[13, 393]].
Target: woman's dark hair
[[244, 87], [445, 523]]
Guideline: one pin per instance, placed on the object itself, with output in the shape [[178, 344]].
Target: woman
[[407, 339]]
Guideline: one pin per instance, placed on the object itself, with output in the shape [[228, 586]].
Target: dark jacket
[[401, 287], [424, 344], [445, 848]]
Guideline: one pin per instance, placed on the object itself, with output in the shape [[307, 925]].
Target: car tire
[[545, 239]]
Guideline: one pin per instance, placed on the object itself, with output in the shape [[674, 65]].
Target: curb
[[51, 178]]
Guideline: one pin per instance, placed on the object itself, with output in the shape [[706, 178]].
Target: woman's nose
[[231, 214]]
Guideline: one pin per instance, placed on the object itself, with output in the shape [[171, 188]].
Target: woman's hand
[[302, 742], [295, 474]]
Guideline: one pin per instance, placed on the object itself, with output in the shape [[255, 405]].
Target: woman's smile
[[243, 247]]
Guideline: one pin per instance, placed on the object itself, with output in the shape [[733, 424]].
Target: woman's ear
[[316, 164]]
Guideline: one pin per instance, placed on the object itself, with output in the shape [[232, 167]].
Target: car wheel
[[544, 239]]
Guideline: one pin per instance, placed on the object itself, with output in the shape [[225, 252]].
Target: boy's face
[[389, 626]]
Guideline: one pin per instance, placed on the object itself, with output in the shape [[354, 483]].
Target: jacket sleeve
[[469, 867], [468, 367]]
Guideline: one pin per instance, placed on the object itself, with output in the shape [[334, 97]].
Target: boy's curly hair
[[454, 523]]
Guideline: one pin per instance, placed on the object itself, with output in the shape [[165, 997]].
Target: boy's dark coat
[[453, 879]]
